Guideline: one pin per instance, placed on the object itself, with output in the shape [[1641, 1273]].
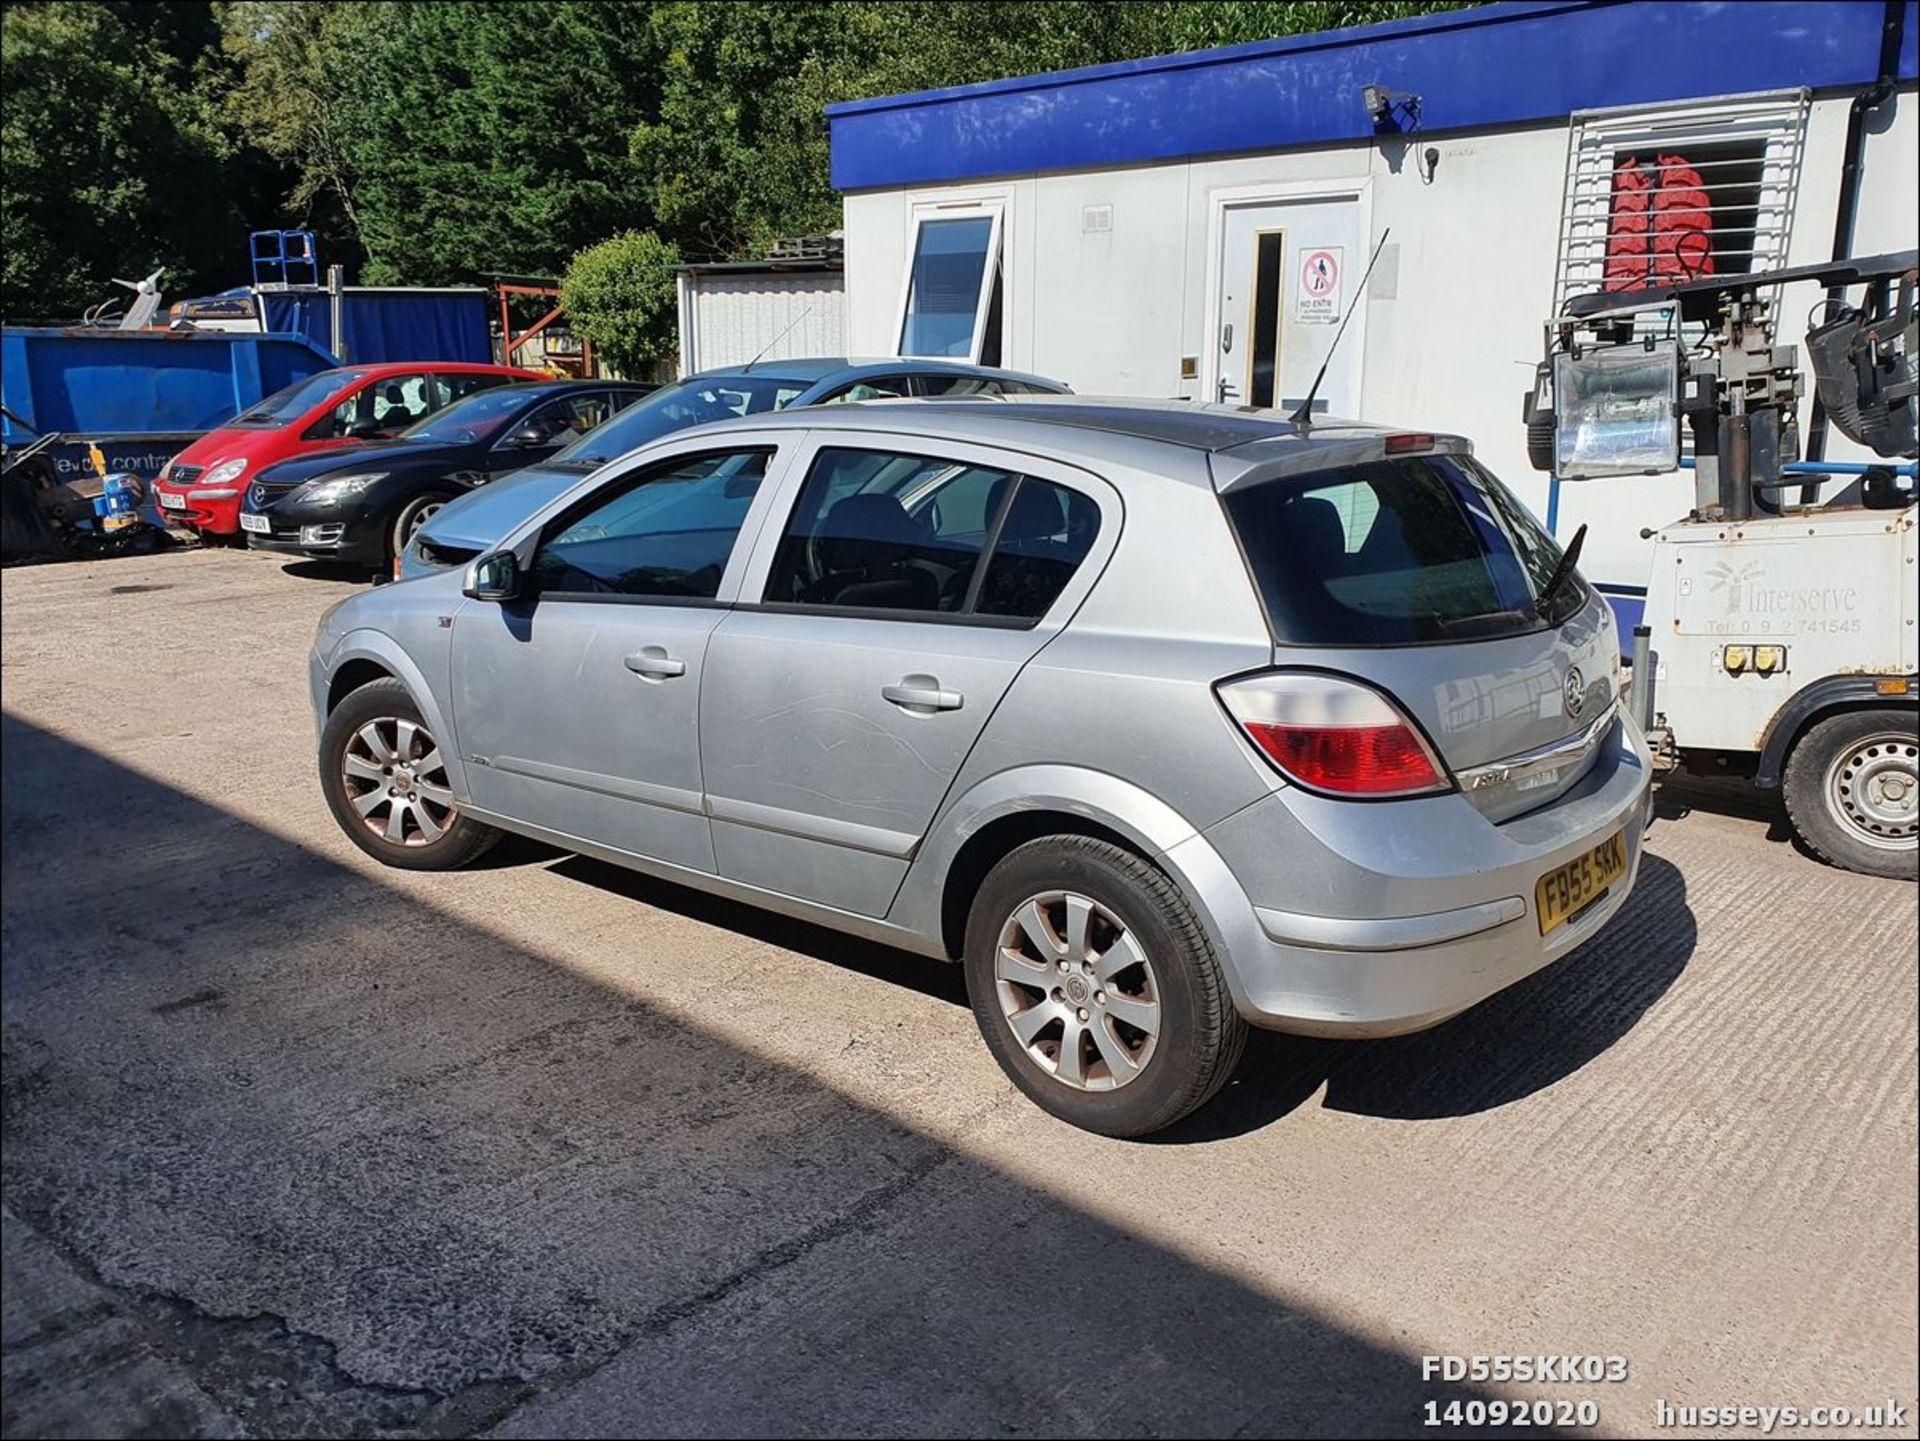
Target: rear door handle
[[653, 663], [921, 693]]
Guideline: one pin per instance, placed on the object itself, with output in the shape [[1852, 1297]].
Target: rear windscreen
[[1396, 552]]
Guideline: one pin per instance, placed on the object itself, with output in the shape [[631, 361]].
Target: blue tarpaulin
[[386, 325]]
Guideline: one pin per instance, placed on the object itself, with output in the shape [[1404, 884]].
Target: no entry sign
[[1321, 274]]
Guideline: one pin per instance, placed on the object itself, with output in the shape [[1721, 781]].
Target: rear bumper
[[1377, 965]]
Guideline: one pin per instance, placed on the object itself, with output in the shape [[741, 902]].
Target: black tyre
[[1096, 988], [386, 785], [1852, 789], [414, 514]]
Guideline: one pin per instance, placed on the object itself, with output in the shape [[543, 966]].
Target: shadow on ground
[[356, 1165], [1522, 1040]]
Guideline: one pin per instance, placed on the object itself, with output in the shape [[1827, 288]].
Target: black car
[[362, 504]]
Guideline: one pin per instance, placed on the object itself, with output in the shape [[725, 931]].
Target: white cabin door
[[1285, 274]]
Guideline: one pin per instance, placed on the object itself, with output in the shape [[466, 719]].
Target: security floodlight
[[1390, 109]]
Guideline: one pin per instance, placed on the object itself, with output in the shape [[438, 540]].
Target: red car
[[202, 487]]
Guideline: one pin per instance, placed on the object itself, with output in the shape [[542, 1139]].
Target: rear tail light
[[1408, 444], [1334, 736]]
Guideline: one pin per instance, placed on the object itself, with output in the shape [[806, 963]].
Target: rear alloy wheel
[[1096, 989], [1853, 791], [1077, 991], [386, 783]]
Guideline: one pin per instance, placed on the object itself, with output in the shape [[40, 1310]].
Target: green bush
[[620, 295]]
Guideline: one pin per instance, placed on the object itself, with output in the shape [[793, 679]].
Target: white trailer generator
[[1781, 637]]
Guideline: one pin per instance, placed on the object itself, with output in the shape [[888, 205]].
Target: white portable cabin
[[1197, 225]]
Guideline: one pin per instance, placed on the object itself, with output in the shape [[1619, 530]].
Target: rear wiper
[[1562, 573]]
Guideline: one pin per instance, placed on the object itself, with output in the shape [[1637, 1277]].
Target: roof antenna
[[1303, 417], [782, 336]]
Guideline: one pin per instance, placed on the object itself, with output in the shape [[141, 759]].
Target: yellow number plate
[[1563, 892]]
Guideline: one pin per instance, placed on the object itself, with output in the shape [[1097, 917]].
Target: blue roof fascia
[[1488, 66]]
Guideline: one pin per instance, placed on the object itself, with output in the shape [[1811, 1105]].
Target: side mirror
[[493, 577], [526, 437], [363, 430]]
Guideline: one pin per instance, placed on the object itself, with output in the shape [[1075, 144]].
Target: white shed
[[734, 312]]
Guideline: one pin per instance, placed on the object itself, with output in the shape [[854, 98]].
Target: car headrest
[[1313, 525], [1036, 513], [861, 528]]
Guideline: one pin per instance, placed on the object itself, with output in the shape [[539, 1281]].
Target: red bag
[[1628, 222], [1683, 222]]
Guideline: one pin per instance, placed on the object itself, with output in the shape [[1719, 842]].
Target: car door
[[891, 603], [575, 704]]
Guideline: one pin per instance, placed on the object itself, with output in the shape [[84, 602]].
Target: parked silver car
[[1163, 720]]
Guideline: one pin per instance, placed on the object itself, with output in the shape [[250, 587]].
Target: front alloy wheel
[[386, 783], [396, 782]]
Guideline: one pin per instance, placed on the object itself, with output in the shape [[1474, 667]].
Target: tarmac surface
[[299, 1146]]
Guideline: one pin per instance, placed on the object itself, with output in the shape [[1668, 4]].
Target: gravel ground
[[298, 1146]]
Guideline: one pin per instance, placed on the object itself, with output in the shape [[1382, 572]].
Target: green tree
[[300, 97], [737, 152], [494, 137], [114, 161], [620, 294]]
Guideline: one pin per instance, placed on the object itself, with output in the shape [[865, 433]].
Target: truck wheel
[[1853, 791], [386, 784], [1096, 988]]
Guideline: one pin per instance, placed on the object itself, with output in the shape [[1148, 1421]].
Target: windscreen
[[469, 421], [286, 406], [1397, 552], [690, 402]]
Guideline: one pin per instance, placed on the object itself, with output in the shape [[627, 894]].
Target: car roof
[[560, 385], [816, 369], [1171, 435], [438, 367]]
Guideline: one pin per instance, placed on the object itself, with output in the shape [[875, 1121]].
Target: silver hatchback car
[[1163, 720]]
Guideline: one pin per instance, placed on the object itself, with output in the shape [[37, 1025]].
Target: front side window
[[377, 411], [1396, 552], [664, 531], [951, 309], [558, 422], [881, 531]]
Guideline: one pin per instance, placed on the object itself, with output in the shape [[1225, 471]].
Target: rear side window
[[881, 531], [459, 384], [1396, 552]]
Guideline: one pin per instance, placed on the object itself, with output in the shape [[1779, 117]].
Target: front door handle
[[653, 663], [921, 693]]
